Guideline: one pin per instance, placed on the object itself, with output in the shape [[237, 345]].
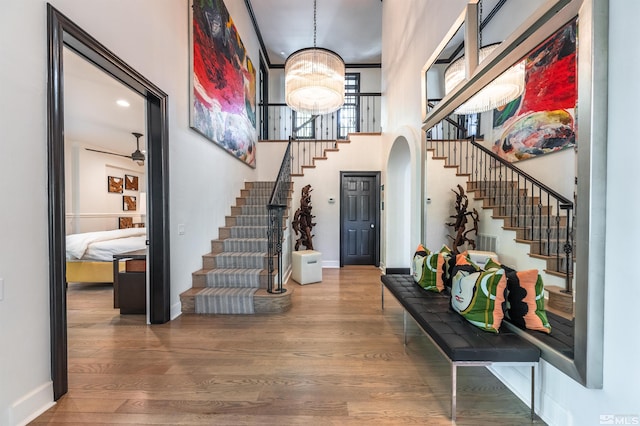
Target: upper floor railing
[[359, 114]]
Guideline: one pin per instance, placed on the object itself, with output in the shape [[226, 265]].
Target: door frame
[[61, 32], [372, 174]]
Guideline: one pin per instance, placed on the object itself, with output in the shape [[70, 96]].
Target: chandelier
[[504, 89], [314, 79]]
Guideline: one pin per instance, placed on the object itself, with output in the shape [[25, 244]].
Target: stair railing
[[541, 216], [277, 120], [278, 203]]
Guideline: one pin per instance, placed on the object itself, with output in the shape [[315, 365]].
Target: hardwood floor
[[335, 358]]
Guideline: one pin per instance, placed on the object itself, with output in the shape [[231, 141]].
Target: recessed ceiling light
[[122, 103]]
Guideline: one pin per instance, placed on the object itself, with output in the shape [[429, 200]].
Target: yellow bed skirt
[[91, 272]]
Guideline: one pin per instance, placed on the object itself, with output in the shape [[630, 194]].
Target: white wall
[[411, 31], [361, 154], [152, 37], [89, 206]]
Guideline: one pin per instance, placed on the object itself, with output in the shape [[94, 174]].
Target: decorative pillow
[[418, 262], [525, 298], [479, 297], [457, 263], [428, 268]]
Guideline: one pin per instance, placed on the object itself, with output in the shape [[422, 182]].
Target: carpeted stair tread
[[249, 232], [245, 245], [225, 301], [240, 260], [252, 220], [233, 277]]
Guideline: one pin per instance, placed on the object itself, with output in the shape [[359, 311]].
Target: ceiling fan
[[136, 155]]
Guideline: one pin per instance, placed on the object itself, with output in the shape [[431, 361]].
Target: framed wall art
[[131, 182], [128, 203], [114, 184], [125, 222], [222, 82], [542, 120]]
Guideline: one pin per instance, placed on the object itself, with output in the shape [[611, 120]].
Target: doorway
[[62, 32], [359, 218]]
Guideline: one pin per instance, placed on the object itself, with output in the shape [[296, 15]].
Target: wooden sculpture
[[461, 220], [303, 220]]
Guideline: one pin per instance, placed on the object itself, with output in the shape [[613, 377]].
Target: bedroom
[[105, 191]]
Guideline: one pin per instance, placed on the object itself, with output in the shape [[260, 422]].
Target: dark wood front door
[[360, 218]]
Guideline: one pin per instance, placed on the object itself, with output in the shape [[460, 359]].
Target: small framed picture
[[131, 182], [128, 203], [125, 222], [114, 184]]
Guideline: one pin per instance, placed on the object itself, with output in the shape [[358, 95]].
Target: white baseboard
[[330, 264], [176, 310], [31, 405]]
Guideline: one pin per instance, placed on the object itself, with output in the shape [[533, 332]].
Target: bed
[[90, 254]]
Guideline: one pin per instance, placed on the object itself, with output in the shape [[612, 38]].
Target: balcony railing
[[360, 114]]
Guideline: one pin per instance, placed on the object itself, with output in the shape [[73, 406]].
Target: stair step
[[201, 277], [237, 260], [225, 301], [240, 245], [560, 300], [263, 302], [242, 232]]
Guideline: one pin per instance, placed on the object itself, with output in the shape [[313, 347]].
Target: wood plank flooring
[[334, 359]]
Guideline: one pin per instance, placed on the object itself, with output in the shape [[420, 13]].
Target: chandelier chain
[[314, 23]]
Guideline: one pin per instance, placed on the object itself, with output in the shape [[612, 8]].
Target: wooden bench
[[462, 343]]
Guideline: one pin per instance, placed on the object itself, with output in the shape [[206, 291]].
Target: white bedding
[[102, 245]]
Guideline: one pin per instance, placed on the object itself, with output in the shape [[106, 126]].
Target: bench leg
[[533, 390], [454, 386], [382, 295], [404, 327]]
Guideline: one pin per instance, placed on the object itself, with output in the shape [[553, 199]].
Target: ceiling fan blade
[[111, 153]]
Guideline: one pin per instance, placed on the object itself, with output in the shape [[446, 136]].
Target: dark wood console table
[[129, 286]]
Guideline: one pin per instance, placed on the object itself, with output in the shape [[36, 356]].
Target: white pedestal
[[306, 266]]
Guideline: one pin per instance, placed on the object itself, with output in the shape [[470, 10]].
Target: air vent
[[486, 242]]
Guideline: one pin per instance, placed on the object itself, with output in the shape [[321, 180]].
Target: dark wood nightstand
[[129, 286]]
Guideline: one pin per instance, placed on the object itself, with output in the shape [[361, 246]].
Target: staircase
[[234, 275], [306, 152], [538, 217]]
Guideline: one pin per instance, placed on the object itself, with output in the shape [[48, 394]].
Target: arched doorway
[[398, 201]]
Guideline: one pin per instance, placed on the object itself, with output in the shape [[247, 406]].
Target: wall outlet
[[181, 229]]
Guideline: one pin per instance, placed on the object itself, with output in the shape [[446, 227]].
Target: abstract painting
[[128, 203], [542, 120], [131, 182], [125, 222], [114, 184], [223, 82]]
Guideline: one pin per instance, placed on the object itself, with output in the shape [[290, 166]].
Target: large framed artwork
[[542, 120], [223, 82]]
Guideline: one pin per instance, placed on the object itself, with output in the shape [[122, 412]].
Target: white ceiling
[[351, 28], [91, 115]]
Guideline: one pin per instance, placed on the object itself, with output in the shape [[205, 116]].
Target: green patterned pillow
[[480, 297], [429, 268]]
